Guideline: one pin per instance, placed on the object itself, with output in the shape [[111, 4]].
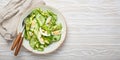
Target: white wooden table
[[93, 32]]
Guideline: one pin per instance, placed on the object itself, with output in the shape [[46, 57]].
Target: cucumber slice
[[56, 38]]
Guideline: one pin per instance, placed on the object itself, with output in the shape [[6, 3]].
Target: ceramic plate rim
[[63, 22]]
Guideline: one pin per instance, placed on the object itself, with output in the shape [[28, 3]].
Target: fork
[[17, 43]]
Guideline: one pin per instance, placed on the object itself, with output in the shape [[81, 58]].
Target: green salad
[[42, 29]]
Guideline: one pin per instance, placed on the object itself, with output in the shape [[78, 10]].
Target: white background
[[93, 32]]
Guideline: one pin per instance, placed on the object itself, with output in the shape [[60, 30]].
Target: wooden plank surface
[[93, 32]]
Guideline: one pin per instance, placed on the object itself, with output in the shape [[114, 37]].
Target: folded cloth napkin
[[10, 16]]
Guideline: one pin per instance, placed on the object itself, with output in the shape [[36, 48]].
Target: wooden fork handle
[[18, 46], [16, 41]]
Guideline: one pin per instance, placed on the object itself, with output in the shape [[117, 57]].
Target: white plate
[[53, 46]]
